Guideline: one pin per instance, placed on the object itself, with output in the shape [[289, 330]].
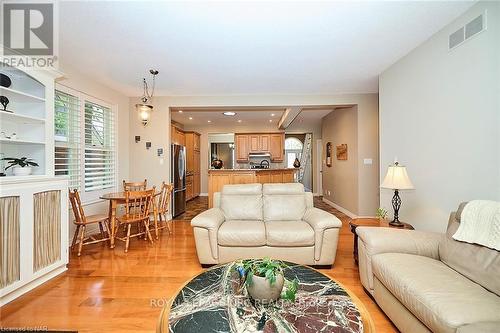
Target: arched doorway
[[293, 150]]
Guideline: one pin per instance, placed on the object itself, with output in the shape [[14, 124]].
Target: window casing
[[85, 148], [67, 134]]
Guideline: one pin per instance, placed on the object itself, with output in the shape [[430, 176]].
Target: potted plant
[[264, 280], [20, 166], [381, 213]]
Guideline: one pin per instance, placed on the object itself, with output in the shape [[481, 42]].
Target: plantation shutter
[[67, 137], [99, 147]]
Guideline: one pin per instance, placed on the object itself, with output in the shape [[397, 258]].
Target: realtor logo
[[28, 34]]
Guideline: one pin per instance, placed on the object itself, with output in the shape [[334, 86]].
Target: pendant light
[[144, 109]]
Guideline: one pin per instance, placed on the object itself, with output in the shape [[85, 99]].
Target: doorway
[[299, 147]]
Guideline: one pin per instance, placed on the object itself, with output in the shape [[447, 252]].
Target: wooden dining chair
[[137, 207], [135, 186], [82, 221], [163, 208]]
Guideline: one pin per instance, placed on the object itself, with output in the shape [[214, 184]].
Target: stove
[[259, 166]]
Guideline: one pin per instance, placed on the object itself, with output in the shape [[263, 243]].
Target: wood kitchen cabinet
[[218, 178], [196, 142], [177, 135], [189, 187], [263, 177], [254, 140], [265, 142], [277, 142], [272, 143], [242, 147], [192, 164]]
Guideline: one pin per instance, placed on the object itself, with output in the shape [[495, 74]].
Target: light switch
[[368, 161]]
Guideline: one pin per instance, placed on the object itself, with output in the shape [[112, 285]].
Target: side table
[[366, 222]]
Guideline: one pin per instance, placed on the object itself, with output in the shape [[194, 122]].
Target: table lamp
[[397, 179]]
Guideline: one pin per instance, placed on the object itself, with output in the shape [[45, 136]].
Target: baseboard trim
[[203, 194], [32, 285], [340, 208]]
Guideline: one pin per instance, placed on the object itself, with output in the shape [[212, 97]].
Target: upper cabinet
[[242, 146], [265, 142], [196, 142], [177, 135], [272, 143], [254, 140], [277, 146]]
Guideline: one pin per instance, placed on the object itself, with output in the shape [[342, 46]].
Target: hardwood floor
[[108, 290]]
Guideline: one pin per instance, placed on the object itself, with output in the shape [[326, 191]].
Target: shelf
[[27, 179], [22, 142], [5, 115], [20, 97]]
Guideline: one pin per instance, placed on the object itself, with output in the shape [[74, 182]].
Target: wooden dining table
[[118, 198]]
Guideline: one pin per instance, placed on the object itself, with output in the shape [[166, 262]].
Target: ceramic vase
[[20, 171], [217, 164], [262, 291], [296, 163]]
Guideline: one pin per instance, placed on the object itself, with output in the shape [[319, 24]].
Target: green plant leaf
[[249, 279], [22, 162]]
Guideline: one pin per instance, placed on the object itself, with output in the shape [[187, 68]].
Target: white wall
[[341, 178], [440, 115], [78, 81]]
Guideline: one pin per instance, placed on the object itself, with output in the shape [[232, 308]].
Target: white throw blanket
[[480, 224]]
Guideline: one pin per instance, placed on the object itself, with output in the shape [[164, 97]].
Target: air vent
[[456, 38], [473, 27], [464, 33]]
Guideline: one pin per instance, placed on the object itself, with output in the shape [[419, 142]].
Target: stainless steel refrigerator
[[178, 170]]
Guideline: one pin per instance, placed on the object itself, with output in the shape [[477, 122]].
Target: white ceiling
[[224, 48], [250, 117]]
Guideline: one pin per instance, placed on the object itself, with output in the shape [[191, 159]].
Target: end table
[[367, 222]]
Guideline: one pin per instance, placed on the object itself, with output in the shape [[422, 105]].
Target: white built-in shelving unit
[[33, 209], [29, 115]]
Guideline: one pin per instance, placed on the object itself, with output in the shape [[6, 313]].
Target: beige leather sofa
[[428, 282], [275, 220]]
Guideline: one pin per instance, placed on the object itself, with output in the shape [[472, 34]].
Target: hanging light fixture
[[144, 109]]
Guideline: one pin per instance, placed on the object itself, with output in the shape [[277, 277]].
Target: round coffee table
[[213, 301]]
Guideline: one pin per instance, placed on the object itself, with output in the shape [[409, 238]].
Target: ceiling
[[233, 48], [310, 117], [250, 116], [247, 117]]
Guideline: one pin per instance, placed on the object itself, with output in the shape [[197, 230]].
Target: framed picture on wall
[[342, 152]]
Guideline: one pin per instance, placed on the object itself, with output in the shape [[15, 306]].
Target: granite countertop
[[236, 170]]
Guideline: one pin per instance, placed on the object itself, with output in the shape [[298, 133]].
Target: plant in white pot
[[20, 166], [264, 280], [381, 213]]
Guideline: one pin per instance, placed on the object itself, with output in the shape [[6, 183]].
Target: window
[[99, 147], [67, 137], [293, 150], [84, 142]]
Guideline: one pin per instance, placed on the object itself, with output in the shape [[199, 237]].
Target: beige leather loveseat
[[428, 282], [275, 220]]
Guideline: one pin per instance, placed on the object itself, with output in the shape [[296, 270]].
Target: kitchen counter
[[217, 178]]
